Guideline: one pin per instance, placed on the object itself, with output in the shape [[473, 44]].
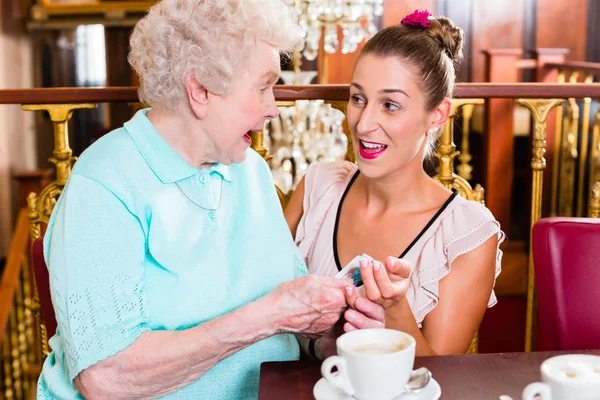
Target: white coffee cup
[[372, 364], [567, 377]]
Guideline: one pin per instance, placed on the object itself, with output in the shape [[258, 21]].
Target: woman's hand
[[362, 314], [309, 306], [385, 284]]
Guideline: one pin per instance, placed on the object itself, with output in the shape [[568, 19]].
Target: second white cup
[[567, 377]]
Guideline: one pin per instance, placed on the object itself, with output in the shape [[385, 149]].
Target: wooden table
[[463, 377]]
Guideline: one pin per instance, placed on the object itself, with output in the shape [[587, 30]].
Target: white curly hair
[[213, 39]]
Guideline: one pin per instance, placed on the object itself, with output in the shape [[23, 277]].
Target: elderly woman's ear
[[197, 96]]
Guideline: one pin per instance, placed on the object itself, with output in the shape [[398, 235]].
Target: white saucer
[[323, 390]]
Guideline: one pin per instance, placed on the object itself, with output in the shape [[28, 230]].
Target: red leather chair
[[42, 281], [566, 254]]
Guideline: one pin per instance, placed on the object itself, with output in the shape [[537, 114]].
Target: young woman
[[437, 253]]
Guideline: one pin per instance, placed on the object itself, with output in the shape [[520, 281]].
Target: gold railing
[[577, 143], [20, 365], [18, 302]]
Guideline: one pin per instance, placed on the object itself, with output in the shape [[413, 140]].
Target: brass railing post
[[594, 207], [446, 153], [557, 152], [595, 152], [568, 159], [585, 130], [539, 109], [7, 365], [41, 207], [464, 169], [258, 143]]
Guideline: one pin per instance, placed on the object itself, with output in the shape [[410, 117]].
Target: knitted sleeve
[[94, 248]]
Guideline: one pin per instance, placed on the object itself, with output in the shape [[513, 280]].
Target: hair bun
[[449, 35]]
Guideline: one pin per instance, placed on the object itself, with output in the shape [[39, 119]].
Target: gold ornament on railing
[[557, 152], [30, 342], [7, 367], [17, 367], [595, 201], [19, 310], [446, 153], [539, 109], [585, 130], [258, 144], [569, 154], [464, 169], [40, 207], [568, 158], [595, 152]]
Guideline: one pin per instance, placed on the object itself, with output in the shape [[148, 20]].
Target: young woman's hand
[[385, 284]]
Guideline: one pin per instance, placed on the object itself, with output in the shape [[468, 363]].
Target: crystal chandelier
[[354, 17], [303, 133]]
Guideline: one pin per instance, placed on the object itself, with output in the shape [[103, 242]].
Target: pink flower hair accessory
[[419, 18]]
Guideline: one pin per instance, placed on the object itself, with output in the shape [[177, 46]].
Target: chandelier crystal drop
[[354, 18]]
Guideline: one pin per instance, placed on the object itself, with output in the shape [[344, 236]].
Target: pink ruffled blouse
[[460, 227]]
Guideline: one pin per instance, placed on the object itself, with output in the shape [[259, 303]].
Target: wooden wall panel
[[593, 31], [338, 67], [118, 71], [563, 24], [461, 12], [496, 25]]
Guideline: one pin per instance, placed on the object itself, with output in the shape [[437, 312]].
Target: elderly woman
[[173, 272]]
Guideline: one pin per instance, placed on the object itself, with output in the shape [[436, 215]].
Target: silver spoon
[[419, 378]]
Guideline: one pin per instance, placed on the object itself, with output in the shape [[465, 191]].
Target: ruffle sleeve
[[462, 229]]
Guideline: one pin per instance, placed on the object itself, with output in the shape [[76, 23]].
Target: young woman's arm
[[294, 210], [463, 299]]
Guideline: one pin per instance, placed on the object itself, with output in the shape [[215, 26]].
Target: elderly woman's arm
[[161, 362]]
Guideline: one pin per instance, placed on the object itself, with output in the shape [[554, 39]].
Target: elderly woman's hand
[[385, 284], [310, 305], [361, 314]]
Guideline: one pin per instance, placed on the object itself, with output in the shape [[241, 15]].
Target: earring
[[432, 131]]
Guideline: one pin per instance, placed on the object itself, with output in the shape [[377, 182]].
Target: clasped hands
[[384, 286]]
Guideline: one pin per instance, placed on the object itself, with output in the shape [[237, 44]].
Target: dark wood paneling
[[461, 12], [28, 181], [118, 71], [529, 37], [337, 67], [563, 24], [593, 31], [498, 142], [496, 25]]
